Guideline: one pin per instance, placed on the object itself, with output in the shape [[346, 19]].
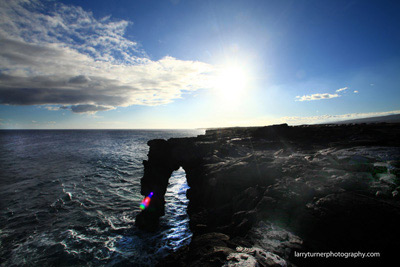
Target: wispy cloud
[[321, 96], [316, 97], [62, 55], [332, 118], [342, 89], [52, 108]]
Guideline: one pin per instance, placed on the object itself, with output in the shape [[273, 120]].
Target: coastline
[[259, 194]]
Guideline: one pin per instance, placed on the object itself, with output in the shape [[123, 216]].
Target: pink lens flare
[[146, 201]]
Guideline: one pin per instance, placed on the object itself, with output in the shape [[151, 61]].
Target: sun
[[231, 83]]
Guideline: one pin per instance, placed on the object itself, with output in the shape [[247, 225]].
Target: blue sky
[[193, 64]]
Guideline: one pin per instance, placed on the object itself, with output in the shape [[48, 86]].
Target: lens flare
[[146, 201]]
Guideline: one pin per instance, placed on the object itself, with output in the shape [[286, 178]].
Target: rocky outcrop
[[280, 189]]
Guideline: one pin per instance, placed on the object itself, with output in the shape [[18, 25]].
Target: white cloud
[[356, 92], [316, 97], [52, 108], [342, 89], [333, 118], [62, 56]]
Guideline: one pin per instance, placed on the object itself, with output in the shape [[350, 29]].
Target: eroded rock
[[328, 186]]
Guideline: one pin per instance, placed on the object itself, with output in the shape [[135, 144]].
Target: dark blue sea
[[70, 197]]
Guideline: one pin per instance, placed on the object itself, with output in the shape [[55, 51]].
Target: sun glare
[[230, 84]]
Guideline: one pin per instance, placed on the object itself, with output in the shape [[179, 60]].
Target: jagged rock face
[[327, 184], [158, 170], [165, 157]]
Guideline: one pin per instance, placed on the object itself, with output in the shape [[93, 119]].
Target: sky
[[171, 64]]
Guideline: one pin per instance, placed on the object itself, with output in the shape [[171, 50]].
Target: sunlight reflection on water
[[72, 198], [176, 210]]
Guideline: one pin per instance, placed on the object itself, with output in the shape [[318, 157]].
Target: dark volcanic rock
[[312, 188], [209, 249]]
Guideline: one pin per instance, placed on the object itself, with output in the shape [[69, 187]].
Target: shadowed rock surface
[[257, 195]]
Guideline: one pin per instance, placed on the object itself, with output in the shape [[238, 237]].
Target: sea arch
[[164, 158]]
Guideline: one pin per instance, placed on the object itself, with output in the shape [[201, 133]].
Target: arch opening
[[176, 218]]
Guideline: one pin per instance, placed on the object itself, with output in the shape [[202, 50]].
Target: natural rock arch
[[164, 158]]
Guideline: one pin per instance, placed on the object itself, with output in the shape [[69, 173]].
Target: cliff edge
[[259, 196]]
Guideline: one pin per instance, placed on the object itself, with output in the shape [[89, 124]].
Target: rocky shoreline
[[258, 195]]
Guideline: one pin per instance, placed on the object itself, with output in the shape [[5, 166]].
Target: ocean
[[70, 197]]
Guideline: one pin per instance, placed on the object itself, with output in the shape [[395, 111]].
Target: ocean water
[[70, 197]]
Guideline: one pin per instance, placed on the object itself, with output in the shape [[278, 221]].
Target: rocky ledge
[[259, 196]]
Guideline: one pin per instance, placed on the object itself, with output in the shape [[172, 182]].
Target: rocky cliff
[[258, 195]]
